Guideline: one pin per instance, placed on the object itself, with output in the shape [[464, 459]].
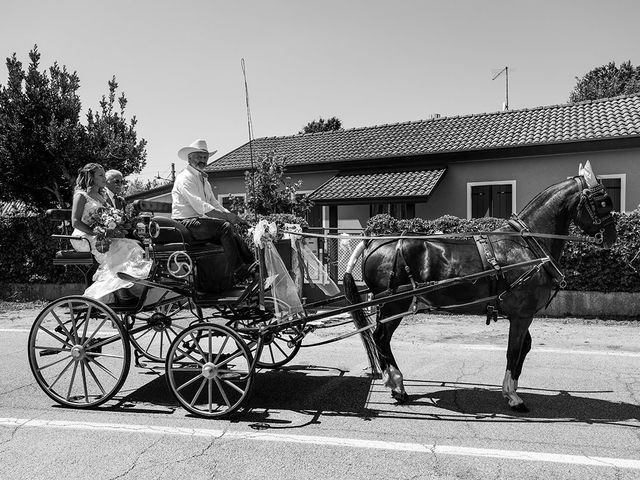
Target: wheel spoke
[[86, 322], [109, 355], [84, 381], [54, 363], [74, 328], [210, 395], [181, 352], [189, 382], [197, 344], [60, 374], [103, 368], [234, 386], [64, 342], [224, 394], [236, 354], [73, 379], [106, 341], [220, 350], [61, 323], [204, 382], [153, 337], [273, 360], [279, 348], [94, 333], [95, 378]]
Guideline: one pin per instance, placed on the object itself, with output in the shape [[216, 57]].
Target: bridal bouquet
[[108, 224]]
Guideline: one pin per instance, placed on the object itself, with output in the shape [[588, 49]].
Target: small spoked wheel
[[209, 370], [280, 346], [79, 352], [153, 332]]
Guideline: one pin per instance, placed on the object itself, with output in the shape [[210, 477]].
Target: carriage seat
[[66, 256], [173, 234]]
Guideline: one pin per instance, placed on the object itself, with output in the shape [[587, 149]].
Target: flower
[[108, 223]]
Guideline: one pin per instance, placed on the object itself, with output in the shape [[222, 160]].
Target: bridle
[[593, 202]]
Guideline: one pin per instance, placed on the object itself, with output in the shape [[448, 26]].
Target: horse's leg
[[519, 346], [391, 374]]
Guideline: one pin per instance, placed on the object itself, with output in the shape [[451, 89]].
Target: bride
[[124, 254]]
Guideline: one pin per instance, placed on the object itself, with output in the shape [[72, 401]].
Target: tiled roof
[[379, 185], [592, 120], [16, 208]]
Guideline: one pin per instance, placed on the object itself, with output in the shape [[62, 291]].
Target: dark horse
[[393, 265]]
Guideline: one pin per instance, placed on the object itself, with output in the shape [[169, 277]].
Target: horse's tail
[[360, 320]]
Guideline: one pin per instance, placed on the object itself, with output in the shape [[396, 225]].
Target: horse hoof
[[520, 408], [400, 397]]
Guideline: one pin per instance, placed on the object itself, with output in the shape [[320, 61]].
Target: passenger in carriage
[[195, 206], [123, 254], [115, 182]]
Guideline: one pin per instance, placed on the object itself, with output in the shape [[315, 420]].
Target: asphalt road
[[324, 417]]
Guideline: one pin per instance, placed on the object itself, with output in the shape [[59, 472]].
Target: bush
[[585, 266], [27, 251]]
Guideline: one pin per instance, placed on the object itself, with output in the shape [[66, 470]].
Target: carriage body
[[80, 349]]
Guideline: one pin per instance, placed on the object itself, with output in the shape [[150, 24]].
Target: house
[[467, 166]]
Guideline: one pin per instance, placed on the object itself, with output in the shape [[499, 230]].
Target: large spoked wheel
[[79, 352], [153, 332], [209, 370]]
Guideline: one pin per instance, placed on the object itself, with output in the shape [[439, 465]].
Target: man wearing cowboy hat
[[195, 206]]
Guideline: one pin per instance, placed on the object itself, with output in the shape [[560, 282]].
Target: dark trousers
[[223, 232]]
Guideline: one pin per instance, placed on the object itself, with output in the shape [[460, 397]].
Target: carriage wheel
[[209, 370], [278, 347], [161, 327], [79, 352]]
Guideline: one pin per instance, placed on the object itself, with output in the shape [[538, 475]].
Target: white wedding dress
[[124, 255]]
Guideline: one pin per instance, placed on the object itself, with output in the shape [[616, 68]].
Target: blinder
[[597, 203]]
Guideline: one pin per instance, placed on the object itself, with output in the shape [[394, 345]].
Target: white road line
[[15, 330], [329, 441], [534, 349]]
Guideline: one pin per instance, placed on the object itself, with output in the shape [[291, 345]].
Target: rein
[[596, 239]]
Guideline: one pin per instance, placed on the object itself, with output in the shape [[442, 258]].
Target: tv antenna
[[506, 94]]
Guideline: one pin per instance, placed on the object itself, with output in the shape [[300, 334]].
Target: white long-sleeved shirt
[[192, 195]]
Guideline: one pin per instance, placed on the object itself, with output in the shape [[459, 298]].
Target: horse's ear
[[589, 176], [580, 169]]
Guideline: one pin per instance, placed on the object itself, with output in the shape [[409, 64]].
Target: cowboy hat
[[197, 146]]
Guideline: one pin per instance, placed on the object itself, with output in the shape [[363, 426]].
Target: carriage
[[213, 335]]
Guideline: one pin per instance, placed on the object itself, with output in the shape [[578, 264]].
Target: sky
[[367, 62]]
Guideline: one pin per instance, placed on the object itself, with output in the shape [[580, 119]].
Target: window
[[396, 210], [227, 201], [616, 188], [491, 199]]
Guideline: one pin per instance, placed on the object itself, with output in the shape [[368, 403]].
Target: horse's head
[[593, 214]]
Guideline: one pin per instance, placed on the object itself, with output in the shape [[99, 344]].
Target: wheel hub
[[159, 322], [77, 352], [209, 371]]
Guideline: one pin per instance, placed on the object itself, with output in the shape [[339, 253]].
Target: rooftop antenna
[[506, 94]]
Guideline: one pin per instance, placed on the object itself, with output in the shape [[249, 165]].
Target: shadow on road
[[321, 391]]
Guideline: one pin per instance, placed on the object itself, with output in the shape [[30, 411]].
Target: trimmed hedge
[[27, 251], [586, 267]]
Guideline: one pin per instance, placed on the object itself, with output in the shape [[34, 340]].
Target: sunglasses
[[118, 181]]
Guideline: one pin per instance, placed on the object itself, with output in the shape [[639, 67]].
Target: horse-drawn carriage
[[213, 335]]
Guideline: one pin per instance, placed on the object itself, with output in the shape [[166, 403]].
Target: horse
[[517, 294]]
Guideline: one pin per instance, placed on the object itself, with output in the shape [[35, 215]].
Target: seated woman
[[124, 254]]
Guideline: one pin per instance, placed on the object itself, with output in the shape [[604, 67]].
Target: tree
[[607, 81], [269, 191], [137, 185], [43, 143], [322, 125]]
